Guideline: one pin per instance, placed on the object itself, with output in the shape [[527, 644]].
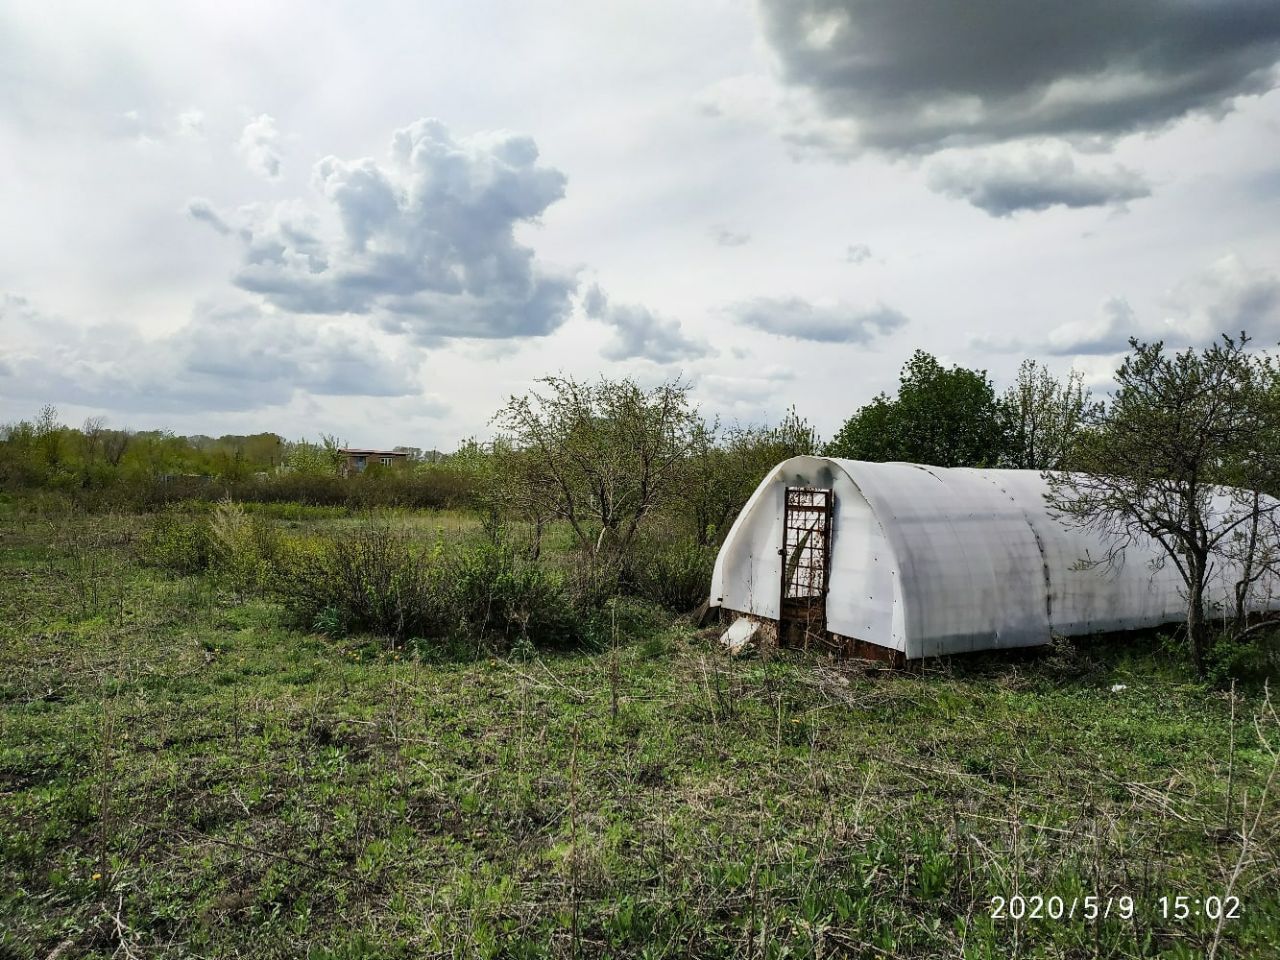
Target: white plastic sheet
[[932, 561]]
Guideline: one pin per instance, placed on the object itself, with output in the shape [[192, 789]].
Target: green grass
[[181, 774]]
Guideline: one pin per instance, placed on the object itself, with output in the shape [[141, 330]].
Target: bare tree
[[114, 445], [93, 431], [1179, 456]]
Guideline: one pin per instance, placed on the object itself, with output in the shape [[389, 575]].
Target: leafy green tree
[[601, 456], [1043, 418], [944, 417], [724, 467], [1179, 429]]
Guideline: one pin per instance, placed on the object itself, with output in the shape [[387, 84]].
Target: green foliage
[[243, 547], [723, 468], [598, 456], [1044, 419], [251, 793], [1180, 428], [102, 469], [672, 571], [177, 541], [372, 577], [948, 418], [502, 595]]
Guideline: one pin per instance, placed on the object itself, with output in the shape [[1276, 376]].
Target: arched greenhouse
[[907, 561]]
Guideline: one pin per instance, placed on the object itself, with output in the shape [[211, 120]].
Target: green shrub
[[371, 578], [176, 541], [501, 594], [1254, 656], [243, 548], [672, 571]]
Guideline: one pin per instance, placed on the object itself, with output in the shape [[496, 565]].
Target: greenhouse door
[[806, 559]]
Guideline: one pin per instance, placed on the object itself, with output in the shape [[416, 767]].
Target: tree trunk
[[1197, 626]]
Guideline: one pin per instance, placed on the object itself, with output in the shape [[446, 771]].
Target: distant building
[[356, 460]]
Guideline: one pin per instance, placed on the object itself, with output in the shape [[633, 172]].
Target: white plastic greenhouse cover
[[932, 560]]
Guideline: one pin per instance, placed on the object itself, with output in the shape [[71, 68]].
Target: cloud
[[203, 211], [803, 320], [725, 237], [190, 124], [1227, 297], [427, 243], [257, 146], [222, 359], [1106, 334], [1002, 185], [857, 253], [1230, 295], [639, 333], [915, 76]]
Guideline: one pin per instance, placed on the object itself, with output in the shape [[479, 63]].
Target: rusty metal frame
[[817, 506]]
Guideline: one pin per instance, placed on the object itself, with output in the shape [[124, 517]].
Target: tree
[[1179, 430], [724, 468], [600, 455], [948, 418], [307, 459], [1043, 417]]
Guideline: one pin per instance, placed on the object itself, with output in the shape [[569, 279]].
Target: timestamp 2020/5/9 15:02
[[1122, 907]]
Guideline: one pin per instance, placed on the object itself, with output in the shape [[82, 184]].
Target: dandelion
[[97, 876]]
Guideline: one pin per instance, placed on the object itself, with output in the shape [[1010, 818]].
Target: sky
[[380, 220]]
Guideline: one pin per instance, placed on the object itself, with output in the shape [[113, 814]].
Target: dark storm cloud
[[1004, 186], [221, 360], [802, 320], [426, 243], [639, 333], [919, 75]]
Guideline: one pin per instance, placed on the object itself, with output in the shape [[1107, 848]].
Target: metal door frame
[[817, 503]]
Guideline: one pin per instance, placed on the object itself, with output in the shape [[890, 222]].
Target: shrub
[[371, 578], [242, 547], [176, 541], [500, 593], [672, 571], [1253, 656]]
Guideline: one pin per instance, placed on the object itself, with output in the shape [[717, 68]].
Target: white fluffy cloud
[[259, 146], [426, 242], [222, 359], [640, 333]]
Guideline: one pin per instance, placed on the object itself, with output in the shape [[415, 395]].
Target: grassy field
[[181, 774]]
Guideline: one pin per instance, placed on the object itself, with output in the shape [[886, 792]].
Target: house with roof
[[356, 460]]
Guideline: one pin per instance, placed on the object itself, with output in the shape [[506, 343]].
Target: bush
[[176, 541], [501, 594], [377, 579], [243, 548], [1254, 656], [372, 578], [672, 571]]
